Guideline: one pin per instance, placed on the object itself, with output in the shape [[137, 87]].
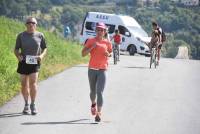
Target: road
[[137, 100]]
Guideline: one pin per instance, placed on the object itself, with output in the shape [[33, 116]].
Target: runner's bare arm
[[41, 56], [86, 50], [18, 55]]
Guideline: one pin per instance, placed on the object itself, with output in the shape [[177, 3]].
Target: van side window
[[90, 26], [123, 30], [111, 28]]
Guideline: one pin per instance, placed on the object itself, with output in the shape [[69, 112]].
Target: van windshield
[[138, 31]]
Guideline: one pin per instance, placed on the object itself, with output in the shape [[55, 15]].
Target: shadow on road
[[10, 115], [81, 66], [137, 67], [57, 123]]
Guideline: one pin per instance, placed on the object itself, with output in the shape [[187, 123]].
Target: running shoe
[[93, 109], [157, 63], [98, 117], [33, 109], [26, 109]]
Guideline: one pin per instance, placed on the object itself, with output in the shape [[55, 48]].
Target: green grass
[[61, 54]]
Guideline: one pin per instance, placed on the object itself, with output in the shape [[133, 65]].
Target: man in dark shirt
[[30, 48]]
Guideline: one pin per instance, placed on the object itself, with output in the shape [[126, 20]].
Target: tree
[[3, 8]]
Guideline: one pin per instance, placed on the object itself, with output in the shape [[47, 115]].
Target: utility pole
[[127, 12], [116, 7]]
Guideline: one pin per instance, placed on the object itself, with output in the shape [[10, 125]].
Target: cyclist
[[117, 41], [100, 50], [154, 43], [159, 29], [155, 39]]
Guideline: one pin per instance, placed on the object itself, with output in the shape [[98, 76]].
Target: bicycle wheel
[[115, 57], [151, 58], [155, 61], [150, 61], [118, 53]]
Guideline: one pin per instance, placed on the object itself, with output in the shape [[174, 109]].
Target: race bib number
[[31, 59]]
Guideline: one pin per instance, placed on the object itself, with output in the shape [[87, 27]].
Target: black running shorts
[[27, 69]]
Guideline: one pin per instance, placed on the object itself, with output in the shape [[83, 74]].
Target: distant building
[[151, 1], [137, 1], [148, 2], [175, 0], [190, 2], [124, 1]]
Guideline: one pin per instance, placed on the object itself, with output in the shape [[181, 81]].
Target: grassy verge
[[61, 55]]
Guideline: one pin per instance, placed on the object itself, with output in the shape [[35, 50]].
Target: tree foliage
[[182, 23]]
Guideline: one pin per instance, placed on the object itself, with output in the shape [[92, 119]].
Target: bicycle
[[115, 54], [153, 58]]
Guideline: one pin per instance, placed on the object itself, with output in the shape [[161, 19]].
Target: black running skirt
[[27, 69]]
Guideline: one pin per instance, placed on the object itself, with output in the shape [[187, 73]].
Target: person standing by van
[[117, 41], [100, 50], [30, 48]]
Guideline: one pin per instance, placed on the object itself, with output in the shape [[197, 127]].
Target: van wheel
[[132, 50]]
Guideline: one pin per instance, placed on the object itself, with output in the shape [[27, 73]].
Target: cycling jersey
[[117, 38]]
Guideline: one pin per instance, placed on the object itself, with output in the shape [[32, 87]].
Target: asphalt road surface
[[137, 100]]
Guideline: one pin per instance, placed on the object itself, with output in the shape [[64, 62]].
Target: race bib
[[31, 59]]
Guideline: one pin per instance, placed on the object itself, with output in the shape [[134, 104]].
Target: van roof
[[110, 18]]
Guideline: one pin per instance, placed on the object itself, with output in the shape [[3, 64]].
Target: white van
[[133, 36]]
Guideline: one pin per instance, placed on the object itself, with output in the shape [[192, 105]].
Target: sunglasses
[[99, 30], [31, 23]]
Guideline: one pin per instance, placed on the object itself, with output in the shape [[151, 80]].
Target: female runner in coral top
[[100, 50]]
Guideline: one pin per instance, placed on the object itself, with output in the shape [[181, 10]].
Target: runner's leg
[[33, 78], [25, 87], [92, 81], [101, 81], [25, 92], [33, 91]]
